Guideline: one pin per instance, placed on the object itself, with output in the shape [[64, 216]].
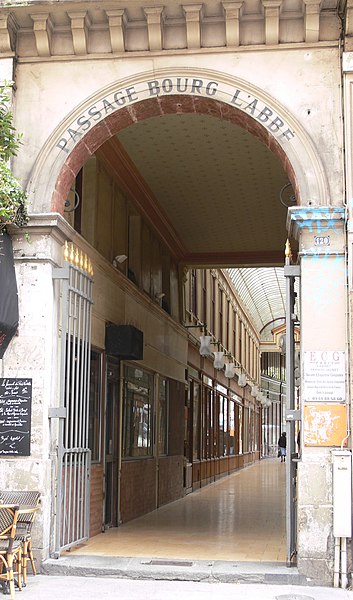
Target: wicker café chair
[[28, 503], [10, 549]]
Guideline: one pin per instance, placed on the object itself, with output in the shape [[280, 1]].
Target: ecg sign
[[325, 425], [15, 416]]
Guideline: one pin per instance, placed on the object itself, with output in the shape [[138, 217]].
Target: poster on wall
[[325, 424], [15, 416], [324, 376]]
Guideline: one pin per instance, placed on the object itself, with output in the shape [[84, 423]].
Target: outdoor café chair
[[28, 505], [10, 549]]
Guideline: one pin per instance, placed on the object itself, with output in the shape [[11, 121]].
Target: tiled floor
[[241, 517]]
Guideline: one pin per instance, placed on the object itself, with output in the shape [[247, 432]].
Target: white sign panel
[[324, 376]]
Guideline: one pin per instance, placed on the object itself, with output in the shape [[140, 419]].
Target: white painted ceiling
[[218, 185], [220, 189]]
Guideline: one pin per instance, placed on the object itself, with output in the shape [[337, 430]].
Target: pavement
[[80, 577], [55, 587], [92, 577]]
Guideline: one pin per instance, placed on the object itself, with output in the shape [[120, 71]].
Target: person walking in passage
[[282, 445]]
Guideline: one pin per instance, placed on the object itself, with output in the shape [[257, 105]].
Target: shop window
[[225, 428], [227, 344], [138, 413], [206, 427], [240, 428], [256, 432], [196, 420], [221, 427], [95, 403], [162, 442], [246, 422], [220, 316], [222, 422], [240, 357], [231, 428], [193, 292], [204, 296], [213, 305]]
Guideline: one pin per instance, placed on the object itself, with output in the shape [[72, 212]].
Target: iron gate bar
[[74, 456], [290, 272]]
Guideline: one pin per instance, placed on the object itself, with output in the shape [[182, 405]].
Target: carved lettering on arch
[[263, 114]]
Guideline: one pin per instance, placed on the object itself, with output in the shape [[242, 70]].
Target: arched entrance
[[172, 92], [115, 111]]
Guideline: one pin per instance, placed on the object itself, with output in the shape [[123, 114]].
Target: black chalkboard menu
[[15, 416]]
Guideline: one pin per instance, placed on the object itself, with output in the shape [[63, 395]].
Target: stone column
[[34, 353], [323, 324]]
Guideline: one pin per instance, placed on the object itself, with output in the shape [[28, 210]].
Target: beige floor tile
[[241, 517]]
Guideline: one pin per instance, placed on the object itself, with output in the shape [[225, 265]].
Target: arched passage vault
[[163, 93]]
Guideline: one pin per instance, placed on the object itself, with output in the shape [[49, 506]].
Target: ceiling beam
[[269, 258]]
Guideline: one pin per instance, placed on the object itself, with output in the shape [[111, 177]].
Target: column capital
[[319, 229]]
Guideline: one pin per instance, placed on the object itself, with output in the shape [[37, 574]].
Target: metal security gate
[[292, 414], [74, 457]]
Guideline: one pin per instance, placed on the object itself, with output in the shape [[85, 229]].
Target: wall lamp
[[205, 350], [205, 345], [242, 380], [254, 391], [229, 370], [218, 362], [159, 295], [119, 259], [199, 325]]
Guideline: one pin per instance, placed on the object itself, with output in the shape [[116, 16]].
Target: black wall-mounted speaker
[[124, 341]]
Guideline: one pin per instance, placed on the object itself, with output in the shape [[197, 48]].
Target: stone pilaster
[[321, 235], [34, 353]]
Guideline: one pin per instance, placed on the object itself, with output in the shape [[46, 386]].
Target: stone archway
[[166, 92]]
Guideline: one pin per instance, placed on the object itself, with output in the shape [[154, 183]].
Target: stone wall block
[[78, 156], [258, 130], [317, 571], [65, 181], [144, 110], [119, 120], [315, 483], [97, 136], [315, 531], [207, 107], [176, 104], [233, 115], [57, 202]]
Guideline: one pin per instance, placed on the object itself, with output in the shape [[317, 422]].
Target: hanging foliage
[[13, 207]]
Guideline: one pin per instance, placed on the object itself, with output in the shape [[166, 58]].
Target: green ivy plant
[[13, 208]]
